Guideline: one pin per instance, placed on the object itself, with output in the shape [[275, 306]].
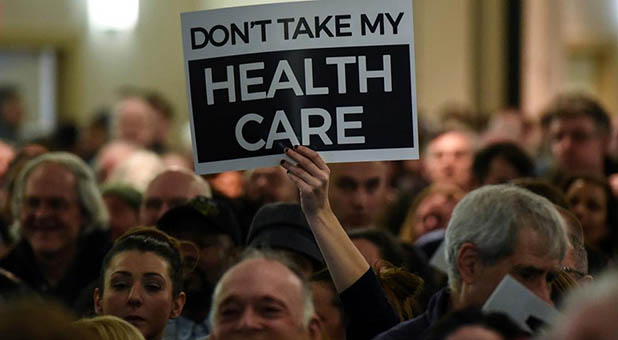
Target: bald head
[[170, 188], [262, 298]]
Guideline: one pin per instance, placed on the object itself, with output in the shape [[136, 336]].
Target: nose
[[565, 143], [580, 211], [542, 289], [359, 199], [249, 320], [42, 210], [135, 298]]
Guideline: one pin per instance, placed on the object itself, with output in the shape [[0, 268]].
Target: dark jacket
[[83, 270], [439, 305], [368, 311]]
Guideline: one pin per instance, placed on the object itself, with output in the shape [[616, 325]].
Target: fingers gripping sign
[[310, 174]]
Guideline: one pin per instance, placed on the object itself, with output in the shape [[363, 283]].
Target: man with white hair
[[494, 231], [168, 189], [263, 297], [62, 221]]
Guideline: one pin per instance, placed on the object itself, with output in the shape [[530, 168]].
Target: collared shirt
[[182, 328]]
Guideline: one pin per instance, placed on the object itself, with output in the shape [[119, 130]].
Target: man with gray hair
[[62, 221], [263, 297], [494, 231]]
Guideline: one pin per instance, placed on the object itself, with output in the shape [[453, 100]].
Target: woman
[[430, 211], [141, 279], [594, 205]]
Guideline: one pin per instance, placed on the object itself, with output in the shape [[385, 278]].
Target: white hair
[[88, 193], [492, 217]]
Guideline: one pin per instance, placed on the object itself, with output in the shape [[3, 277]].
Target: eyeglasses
[[573, 271]]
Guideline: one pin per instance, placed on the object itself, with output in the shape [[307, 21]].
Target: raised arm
[[311, 174]]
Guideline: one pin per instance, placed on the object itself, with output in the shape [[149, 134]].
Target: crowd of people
[[114, 236]]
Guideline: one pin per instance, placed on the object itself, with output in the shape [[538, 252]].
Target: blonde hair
[[109, 327]]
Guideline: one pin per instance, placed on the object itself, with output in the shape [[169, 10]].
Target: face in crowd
[[269, 185], [589, 204], [135, 121], [51, 217], [500, 230], [577, 144], [167, 190], [359, 192], [122, 216], [138, 287], [328, 309], [449, 159], [435, 210], [271, 307]]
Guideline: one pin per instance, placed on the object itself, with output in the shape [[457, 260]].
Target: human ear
[[178, 304], [98, 309], [314, 329], [467, 262]]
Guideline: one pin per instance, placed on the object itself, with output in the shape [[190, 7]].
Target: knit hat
[[283, 226]]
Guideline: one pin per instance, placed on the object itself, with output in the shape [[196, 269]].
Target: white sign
[[337, 76], [521, 305]]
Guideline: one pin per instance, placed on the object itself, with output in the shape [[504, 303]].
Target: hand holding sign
[[310, 174]]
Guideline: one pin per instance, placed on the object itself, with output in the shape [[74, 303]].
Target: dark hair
[[496, 322], [159, 103], [7, 93], [509, 152], [609, 245], [390, 249], [574, 105], [543, 188], [149, 239]]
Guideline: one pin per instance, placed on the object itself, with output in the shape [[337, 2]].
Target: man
[[135, 120], [270, 185], [359, 193], [449, 159], [170, 188], [122, 202], [212, 227], [63, 224], [494, 231], [282, 227], [578, 129], [263, 186], [263, 298]]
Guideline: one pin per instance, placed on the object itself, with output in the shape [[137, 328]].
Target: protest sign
[[337, 76]]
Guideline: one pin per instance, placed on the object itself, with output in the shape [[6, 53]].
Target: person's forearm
[[345, 262]]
